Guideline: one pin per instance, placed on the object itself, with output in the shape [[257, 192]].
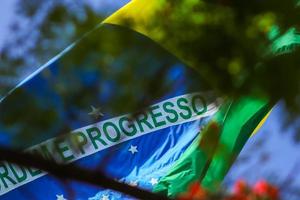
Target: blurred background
[[31, 32], [34, 31]]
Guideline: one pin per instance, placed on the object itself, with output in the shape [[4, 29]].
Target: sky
[[7, 10], [7, 15], [272, 154]]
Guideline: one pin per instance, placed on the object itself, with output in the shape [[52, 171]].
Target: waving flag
[[77, 98], [91, 94]]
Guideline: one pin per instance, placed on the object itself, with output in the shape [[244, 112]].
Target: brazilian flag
[[127, 102]]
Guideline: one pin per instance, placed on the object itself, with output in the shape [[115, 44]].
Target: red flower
[[263, 189], [237, 197], [240, 187], [241, 191], [273, 192], [195, 192]]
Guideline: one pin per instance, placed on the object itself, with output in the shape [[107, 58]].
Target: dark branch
[[72, 172]]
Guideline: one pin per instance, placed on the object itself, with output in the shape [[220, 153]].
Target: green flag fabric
[[211, 155]]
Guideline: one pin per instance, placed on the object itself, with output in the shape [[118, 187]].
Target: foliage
[[39, 31], [230, 44]]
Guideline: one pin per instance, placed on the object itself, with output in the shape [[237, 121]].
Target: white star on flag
[[117, 180], [133, 183], [154, 181], [105, 197], [202, 128], [96, 112], [60, 197], [133, 149]]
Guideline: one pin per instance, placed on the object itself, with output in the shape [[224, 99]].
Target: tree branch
[[73, 172]]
